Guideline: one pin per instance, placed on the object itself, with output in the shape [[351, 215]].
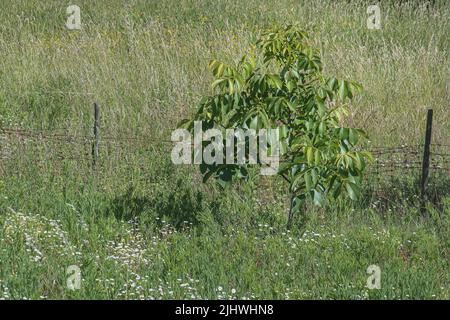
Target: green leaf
[[337, 190], [308, 181], [332, 84], [220, 70], [352, 190], [254, 123], [317, 156], [276, 81], [319, 200], [290, 85], [343, 133], [218, 82], [352, 136], [358, 161], [284, 167], [297, 203], [322, 128], [310, 155], [185, 124], [230, 86], [343, 90], [321, 109], [368, 155], [314, 177]]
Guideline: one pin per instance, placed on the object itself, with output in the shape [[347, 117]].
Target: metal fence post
[[96, 134], [426, 157]]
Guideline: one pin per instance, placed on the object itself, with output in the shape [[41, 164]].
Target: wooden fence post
[[96, 134], [426, 157]]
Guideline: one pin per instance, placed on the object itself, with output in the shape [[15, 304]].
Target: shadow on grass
[[403, 191], [174, 208]]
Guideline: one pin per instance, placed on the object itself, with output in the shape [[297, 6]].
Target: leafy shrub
[[279, 84]]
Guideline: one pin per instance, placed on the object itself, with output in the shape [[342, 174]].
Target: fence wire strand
[[387, 159]]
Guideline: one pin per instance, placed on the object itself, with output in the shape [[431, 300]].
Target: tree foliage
[[279, 83]]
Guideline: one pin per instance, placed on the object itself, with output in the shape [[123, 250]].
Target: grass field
[[141, 227]]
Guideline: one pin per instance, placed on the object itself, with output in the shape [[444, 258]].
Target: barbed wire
[[57, 92], [402, 157], [47, 134]]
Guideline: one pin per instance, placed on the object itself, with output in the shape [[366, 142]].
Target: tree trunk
[[291, 213]]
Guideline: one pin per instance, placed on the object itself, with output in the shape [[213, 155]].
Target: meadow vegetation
[[140, 227]]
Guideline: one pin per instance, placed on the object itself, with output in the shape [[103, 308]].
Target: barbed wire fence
[[421, 164]]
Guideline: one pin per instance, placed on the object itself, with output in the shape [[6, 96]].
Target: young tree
[[280, 84]]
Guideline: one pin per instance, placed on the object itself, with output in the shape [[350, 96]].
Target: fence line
[[50, 134], [385, 158], [60, 92], [390, 163]]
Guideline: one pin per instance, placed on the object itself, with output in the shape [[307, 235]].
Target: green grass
[[145, 63]]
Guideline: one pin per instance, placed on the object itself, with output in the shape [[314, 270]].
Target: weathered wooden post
[[426, 158], [96, 134]]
